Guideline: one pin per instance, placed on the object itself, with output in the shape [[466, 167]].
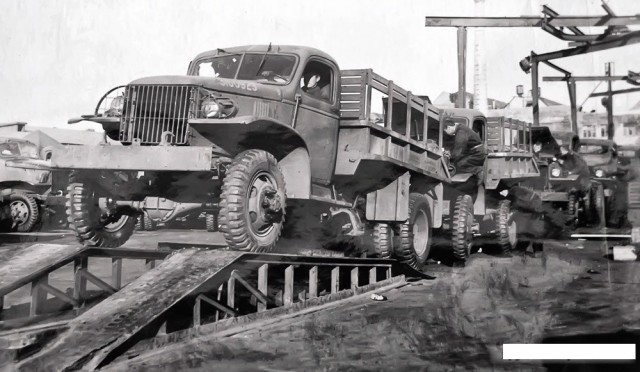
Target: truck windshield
[[12, 149], [263, 68]]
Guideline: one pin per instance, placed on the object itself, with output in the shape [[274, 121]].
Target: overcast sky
[[58, 57]]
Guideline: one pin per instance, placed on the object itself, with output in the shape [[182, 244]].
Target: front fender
[[241, 133]]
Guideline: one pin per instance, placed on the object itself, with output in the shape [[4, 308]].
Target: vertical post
[[534, 91], [335, 279], [150, 264], [354, 278], [288, 286], [530, 138], [571, 84], [38, 296], [610, 126], [373, 272], [389, 272], [313, 282], [80, 286], [387, 123], [425, 122], [116, 273], [462, 66], [219, 297], [231, 292], [196, 312], [408, 123], [367, 99], [263, 274]]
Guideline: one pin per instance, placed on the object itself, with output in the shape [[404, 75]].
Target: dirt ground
[[570, 293]]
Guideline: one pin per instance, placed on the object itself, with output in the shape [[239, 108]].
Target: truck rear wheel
[[507, 228], [382, 240], [87, 221], [462, 221], [415, 234], [253, 201]]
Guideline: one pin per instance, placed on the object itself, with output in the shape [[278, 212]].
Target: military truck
[[509, 162], [251, 130], [567, 185], [28, 195]]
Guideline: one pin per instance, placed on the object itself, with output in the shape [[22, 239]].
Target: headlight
[[599, 173], [555, 172], [210, 108]]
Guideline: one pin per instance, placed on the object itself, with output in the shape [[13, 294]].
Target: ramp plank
[[25, 264], [110, 323]]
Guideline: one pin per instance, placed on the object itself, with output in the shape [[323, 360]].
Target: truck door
[[319, 116]]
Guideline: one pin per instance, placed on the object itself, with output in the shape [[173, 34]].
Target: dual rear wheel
[[409, 242]]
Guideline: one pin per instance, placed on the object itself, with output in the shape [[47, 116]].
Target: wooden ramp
[[199, 290], [112, 322]]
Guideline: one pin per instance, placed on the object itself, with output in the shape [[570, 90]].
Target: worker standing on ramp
[[467, 155]]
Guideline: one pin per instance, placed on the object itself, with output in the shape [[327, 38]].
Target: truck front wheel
[[91, 226], [25, 212], [253, 201]]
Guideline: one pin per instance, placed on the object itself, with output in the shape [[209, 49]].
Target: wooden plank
[[97, 281], [116, 273], [219, 306], [38, 296], [256, 293], [313, 282], [351, 89], [80, 283], [368, 97], [355, 278], [46, 288], [373, 272], [389, 119], [335, 279], [407, 130], [196, 312], [150, 264], [231, 293], [350, 105], [263, 274], [288, 286]]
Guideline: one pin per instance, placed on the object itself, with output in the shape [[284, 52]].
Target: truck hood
[[240, 87]]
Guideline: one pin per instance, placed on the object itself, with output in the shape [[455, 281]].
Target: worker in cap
[[467, 155]]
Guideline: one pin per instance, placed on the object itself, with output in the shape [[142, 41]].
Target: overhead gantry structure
[[631, 78], [566, 28]]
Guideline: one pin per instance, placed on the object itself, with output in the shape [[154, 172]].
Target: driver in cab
[[312, 85]]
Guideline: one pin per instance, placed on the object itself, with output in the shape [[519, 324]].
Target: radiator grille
[[151, 110]]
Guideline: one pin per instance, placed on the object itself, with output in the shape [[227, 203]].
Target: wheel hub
[[19, 212], [264, 204]]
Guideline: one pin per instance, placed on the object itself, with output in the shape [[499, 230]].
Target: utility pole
[[610, 126], [462, 63]]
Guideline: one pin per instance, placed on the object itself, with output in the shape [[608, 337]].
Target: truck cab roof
[[303, 52]]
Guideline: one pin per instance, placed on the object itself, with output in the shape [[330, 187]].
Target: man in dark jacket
[[467, 155]]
